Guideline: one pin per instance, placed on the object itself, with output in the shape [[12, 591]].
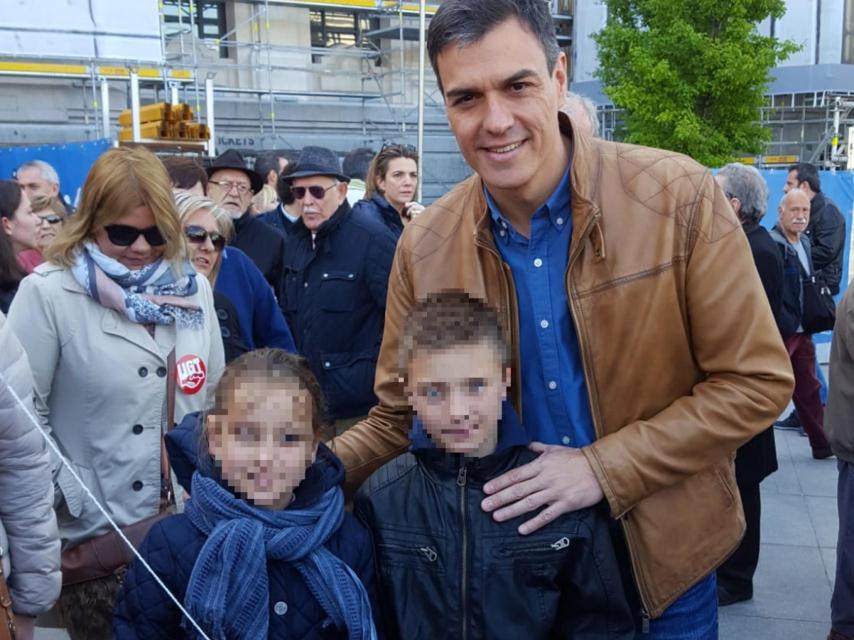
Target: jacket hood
[[511, 433], [185, 457]]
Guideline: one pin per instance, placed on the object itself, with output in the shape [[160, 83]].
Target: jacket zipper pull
[[461, 477], [644, 621]]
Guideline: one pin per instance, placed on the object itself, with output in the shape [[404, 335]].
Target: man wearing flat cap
[[336, 276], [231, 185]]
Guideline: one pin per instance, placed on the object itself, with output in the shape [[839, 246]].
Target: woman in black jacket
[[390, 187]]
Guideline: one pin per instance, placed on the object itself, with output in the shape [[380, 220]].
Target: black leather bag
[[819, 307]]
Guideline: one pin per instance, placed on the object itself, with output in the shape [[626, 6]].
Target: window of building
[[848, 33], [339, 29], [209, 19]]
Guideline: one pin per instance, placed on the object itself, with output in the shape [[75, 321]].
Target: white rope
[[112, 522]]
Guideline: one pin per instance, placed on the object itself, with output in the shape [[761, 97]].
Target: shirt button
[[137, 429], [137, 486], [142, 372], [552, 385], [305, 284], [161, 372], [566, 440], [327, 364], [559, 220], [538, 263], [281, 608], [502, 233], [325, 275], [544, 324]]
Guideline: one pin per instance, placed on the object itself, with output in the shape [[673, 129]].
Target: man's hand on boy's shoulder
[[560, 479]]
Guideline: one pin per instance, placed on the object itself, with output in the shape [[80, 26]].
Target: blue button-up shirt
[[555, 403]]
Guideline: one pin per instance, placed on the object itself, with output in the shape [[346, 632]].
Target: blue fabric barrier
[[72, 162]]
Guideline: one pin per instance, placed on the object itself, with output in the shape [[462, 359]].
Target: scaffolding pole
[[134, 104], [422, 23], [105, 106], [209, 114]]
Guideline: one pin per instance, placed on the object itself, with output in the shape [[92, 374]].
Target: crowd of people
[[211, 360]]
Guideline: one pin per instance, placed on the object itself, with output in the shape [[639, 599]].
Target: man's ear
[[342, 192], [560, 75]]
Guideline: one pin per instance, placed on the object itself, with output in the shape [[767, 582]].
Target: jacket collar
[[584, 170], [112, 323], [388, 212], [241, 222], [327, 229], [817, 205]]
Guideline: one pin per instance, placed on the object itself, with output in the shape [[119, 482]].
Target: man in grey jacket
[[29, 538], [840, 433]]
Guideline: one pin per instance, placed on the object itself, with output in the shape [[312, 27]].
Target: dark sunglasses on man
[[317, 192], [123, 235], [198, 235]]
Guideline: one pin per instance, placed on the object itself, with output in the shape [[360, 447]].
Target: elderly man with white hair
[[582, 111]]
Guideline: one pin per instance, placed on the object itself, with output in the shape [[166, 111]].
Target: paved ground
[[797, 560], [796, 566]]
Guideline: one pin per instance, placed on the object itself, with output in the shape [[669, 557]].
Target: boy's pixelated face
[[456, 391], [265, 442]]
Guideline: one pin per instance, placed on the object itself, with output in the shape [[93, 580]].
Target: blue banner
[[72, 162]]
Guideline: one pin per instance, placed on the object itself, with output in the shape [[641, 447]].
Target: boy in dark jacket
[[445, 568]]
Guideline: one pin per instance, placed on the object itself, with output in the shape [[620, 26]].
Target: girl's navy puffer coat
[[143, 610]]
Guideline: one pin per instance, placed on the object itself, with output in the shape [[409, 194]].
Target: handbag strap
[[165, 468]]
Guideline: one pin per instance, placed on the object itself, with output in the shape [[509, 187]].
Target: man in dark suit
[[757, 459]]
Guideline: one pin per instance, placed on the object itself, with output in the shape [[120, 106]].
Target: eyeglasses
[[240, 187], [198, 235], [51, 218], [402, 147], [317, 192], [123, 235]]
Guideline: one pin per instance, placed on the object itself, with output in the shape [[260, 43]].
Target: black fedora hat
[[318, 161], [233, 159]]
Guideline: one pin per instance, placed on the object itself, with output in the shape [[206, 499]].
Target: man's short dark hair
[[185, 172], [283, 184], [465, 22], [357, 162], [808, 173], [266, 162], [451, 319]]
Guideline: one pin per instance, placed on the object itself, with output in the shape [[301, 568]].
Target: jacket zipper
[[461, 482], [557, 545], [585, 362]]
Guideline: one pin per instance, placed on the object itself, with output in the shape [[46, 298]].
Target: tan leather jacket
[[681, 355]]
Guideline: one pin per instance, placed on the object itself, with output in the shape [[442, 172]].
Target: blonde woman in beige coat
[[29, 540], [98, 322]]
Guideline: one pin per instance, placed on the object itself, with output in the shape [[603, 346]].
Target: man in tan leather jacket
[[679, 351]]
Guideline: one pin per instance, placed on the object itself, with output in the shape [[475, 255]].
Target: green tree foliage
[[691, 74]]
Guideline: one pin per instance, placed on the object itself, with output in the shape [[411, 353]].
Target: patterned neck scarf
[[151, 295]]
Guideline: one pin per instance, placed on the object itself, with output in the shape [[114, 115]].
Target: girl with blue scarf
[[264, 548]]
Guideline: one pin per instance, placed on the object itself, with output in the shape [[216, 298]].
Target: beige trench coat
[[100, 388]]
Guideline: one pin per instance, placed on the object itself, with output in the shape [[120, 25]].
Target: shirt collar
[[556, 207]]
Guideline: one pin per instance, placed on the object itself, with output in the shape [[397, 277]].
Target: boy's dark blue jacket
[[446, 569], [259, 317], [172, 545]]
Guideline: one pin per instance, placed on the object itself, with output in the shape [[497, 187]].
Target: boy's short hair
[[449, 319], [185, 172]]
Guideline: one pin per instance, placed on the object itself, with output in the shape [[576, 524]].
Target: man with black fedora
[[231, 185], [336, 275]]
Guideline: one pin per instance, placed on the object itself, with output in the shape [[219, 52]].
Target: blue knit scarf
[[228, 593]]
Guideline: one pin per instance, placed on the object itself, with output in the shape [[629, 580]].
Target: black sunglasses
[[197, 235], [317, 192], [51, 218], [123, 235]]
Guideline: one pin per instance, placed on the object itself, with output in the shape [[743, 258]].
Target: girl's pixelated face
[[264, 442]]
